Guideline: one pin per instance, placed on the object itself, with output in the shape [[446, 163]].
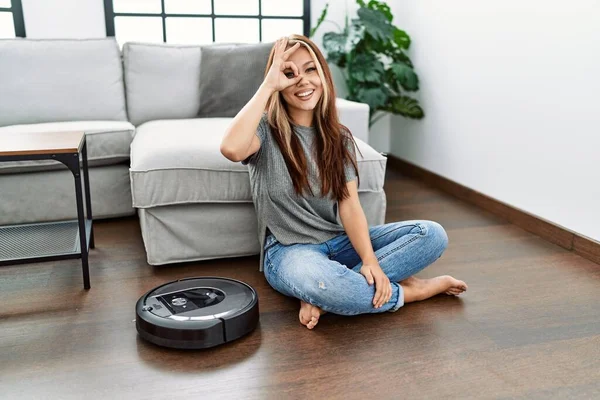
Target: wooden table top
[[20, 144]]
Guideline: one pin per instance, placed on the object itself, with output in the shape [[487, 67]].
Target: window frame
[[16, 9], [110, 15]]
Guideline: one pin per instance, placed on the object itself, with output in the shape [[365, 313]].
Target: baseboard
[[572, 241]]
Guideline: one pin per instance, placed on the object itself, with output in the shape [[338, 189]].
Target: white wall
[[64, 18], [511, 91]]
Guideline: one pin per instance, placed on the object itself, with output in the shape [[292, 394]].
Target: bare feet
[[416, 289], [309, 314]]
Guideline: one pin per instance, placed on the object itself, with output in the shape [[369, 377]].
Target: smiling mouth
[[306, 95]]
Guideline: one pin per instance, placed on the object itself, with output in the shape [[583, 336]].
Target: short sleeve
[[349, 170], [261, 131]]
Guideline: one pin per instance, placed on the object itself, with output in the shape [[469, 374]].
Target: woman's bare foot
[[416, 289], [309, 314]]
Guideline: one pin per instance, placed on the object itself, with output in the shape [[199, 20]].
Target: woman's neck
[[302, 117]]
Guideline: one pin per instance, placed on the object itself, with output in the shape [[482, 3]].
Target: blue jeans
[[327, 275]]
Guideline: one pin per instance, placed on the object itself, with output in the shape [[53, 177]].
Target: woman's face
[[306, 93]]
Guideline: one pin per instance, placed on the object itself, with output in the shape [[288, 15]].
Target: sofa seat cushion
[[108, 143], [180, 162]]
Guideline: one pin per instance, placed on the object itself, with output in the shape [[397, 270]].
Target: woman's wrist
[[370, 260], [266, 88]]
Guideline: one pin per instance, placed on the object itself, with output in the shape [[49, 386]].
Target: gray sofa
[[154, 116]]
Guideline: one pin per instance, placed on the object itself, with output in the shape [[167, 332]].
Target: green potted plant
[[371, 53]]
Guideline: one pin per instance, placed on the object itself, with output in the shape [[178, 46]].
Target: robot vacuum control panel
[[191, 299]]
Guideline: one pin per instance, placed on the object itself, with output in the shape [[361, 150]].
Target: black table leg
[[88, 198], [82, 238]]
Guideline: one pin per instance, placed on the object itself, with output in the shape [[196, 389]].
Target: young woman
[[303, 170]]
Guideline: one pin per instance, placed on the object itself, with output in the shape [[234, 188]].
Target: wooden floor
[[528, 327]]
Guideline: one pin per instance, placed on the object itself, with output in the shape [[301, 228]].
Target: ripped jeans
[[327, 275]]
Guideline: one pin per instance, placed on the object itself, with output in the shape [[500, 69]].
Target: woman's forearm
[[241, 130], [356, 227]]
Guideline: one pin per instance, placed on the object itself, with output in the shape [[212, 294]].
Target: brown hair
[[333, 140]]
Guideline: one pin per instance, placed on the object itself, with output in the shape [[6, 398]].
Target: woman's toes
[[456, 289], [302, 319], [312, 323], [305, 313]]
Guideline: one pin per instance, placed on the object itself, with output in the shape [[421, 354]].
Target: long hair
[[333, 140]]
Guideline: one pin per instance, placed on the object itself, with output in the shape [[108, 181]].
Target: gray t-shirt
[[289, 217]]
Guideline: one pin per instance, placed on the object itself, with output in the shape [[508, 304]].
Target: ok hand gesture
[[276, 78]]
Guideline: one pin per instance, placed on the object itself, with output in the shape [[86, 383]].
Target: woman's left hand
[[383, 289]]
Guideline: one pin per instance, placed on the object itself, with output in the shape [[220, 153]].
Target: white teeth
[[304, 94]]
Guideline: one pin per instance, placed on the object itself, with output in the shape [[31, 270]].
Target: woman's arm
[[355, 224], [240, 140], [356, 227]]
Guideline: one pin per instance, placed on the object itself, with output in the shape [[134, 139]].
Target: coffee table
[[58, 240]]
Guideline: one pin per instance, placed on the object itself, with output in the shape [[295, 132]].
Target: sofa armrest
[[355, 116]]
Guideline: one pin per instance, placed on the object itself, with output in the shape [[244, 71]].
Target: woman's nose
[[303, 80]]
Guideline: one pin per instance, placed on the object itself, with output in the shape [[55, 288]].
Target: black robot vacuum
[[197, 313]]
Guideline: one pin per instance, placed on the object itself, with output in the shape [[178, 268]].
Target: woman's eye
[[311, 69], [289, 75]]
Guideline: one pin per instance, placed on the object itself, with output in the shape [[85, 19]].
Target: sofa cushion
[[107, 143], [179, 161], [44, 80], [230, 74], [162, 81]]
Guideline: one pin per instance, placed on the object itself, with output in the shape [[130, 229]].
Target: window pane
[[7, 27], [5, 4], [288, 8], [139, 29], [189, 30], [236, 7], [273, 29], [187, 6], [236, 30], [137, 6]]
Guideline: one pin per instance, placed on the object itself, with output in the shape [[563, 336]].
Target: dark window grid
[[17, 13], [110, 18]]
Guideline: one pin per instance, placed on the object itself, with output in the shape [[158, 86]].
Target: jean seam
[[329, 250], [377, 237], [399, 247], [394, 230]]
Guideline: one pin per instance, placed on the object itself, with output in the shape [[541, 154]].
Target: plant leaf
[[401, 38], [399, 56], [319, 21], [366, 68], [335, 46], [376, 24], [375, 97], [406, 76], [382, 7], [405, 106]]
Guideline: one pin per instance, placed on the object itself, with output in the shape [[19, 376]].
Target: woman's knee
[[436, 234]]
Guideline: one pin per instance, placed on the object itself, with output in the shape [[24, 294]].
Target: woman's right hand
[[283, 73]]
